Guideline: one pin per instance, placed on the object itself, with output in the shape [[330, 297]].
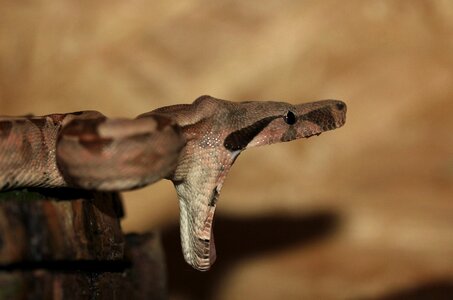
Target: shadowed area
[[238, 239], [67, 194], [439, 290]]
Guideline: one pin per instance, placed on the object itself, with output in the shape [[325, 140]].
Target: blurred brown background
[[364, 212]]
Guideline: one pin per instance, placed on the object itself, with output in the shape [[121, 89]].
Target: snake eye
[[290, 118]]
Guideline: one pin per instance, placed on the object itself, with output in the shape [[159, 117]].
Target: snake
[[193, 145]]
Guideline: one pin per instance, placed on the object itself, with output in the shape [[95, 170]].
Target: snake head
[[216, 131], [264, 123]]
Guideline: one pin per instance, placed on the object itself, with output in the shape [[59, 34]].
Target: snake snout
[[341, 105], [339, 110]]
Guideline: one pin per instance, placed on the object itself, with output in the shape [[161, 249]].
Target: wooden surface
[[64, 244], [38, 227]]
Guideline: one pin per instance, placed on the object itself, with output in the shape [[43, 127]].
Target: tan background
[[365, 212]]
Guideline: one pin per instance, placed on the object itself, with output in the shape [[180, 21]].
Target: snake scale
[[193, 145]]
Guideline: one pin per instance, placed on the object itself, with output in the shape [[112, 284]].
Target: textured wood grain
[[37, 226], [65, 244]]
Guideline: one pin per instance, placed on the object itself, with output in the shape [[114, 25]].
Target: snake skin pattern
[[193, 145]]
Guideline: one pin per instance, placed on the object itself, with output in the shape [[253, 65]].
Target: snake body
[[86, 150], [193, 145]]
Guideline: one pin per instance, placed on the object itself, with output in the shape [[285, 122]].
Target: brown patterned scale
[[86, 150], [193, 145]]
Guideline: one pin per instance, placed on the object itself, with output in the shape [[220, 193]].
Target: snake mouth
[[329, 127], [340, 123], [332, 126], [324, 128], [313, 134]]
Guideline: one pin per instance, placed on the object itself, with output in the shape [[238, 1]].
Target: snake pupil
[[290, 118]]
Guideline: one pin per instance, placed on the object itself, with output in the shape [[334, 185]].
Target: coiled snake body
[[193, 145]]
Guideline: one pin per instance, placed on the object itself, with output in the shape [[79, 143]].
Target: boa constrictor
[[193, 145]]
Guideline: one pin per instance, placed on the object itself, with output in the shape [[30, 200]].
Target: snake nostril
[[340, 105]]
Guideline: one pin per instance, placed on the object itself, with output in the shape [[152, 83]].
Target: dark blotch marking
[[87, 133], [322, 117], [239, 139], [40, 123], [214, 197], [5, 128], [289, 135], [77, 113], [178, 182], [85, 128]]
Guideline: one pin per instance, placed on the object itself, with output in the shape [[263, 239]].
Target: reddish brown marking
[[195, 129], [57, 118], [150, 159], [86, 128], [95, 146], [87, 133], [322, 117]]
